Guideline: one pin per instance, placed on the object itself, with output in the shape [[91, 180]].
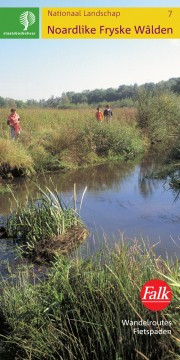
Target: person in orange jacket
[[13, 122], [99, 115]]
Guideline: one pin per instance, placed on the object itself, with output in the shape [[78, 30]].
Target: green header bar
[[19, 23]]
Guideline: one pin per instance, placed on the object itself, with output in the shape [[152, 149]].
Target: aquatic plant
[[46, 225]]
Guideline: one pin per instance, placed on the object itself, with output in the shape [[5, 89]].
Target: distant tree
[[124, 94], [176, 86], [2, 102], [10, 102], [96, 96], [69, 94], [110, 95], [149, 86], [53, 102], [125, 91], [32, 103], [64, 99], [42, 102], [79, 98], [20, 104]]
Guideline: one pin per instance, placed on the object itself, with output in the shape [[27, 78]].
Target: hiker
[[99, 115], [108, 114], [13, 122]]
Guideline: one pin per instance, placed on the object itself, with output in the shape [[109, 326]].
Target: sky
[[36, 69]]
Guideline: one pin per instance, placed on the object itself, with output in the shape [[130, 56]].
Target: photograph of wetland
[[89, 198]]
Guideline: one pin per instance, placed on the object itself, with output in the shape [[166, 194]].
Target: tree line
[[124, 95]]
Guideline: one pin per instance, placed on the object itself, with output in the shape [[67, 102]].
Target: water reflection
[[146, 184], [106, 176], [120, 198]]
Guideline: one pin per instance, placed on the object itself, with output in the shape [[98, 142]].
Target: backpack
[[108, 112]]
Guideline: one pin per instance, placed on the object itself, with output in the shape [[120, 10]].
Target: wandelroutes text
[[149, 327]]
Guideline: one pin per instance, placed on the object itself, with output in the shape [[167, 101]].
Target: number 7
[[170, 12]]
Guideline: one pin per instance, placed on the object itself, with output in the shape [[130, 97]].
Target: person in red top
[[13, 122], [99, 115]]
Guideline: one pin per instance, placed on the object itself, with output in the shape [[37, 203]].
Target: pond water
[[120, 199]]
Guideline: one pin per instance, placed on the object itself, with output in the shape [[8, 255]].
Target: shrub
[[159, 114], [112, 140]]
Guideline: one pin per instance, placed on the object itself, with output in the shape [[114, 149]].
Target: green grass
[[14, 156], [58, 139], [77, 313], [4, 189], [41, 220], [53, 139]]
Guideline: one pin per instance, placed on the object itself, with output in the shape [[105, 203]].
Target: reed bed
[[46, 226], [78, 312]]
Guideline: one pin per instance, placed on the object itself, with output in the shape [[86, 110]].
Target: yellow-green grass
[[54, 139], [14, 154], [4, 189]]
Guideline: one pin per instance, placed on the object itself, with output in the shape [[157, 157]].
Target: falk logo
[[27, 19], [156, 295]]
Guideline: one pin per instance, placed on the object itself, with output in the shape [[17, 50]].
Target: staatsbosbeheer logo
[[27, 19], [156, 295], [19, 23]]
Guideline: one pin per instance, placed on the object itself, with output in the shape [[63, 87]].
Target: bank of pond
[[80, 307], [56, 139]]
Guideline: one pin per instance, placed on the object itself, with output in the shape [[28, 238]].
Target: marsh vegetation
[[77, 312], [54, 139], [61, 139]]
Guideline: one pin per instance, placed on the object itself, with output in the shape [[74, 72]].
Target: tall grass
[[14, 156], [77, 313], [40, 220], [55, 139]]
